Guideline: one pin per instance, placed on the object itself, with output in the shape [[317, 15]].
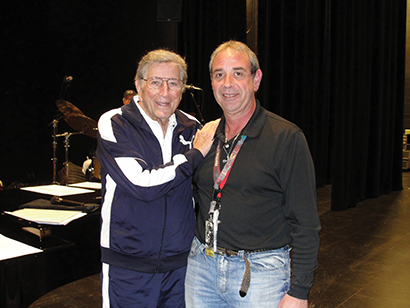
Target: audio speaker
[[169, 10]]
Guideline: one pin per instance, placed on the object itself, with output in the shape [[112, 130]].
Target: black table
[[71, 253]]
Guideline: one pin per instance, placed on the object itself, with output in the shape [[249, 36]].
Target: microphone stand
[[64, 86], [198, 109], [54, 123], [54, 159]]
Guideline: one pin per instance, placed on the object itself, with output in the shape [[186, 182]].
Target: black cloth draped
[[334, 68]]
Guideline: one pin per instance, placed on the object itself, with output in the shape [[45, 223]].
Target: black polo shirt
[[269, 199]]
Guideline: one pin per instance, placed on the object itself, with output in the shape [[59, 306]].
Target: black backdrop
[[97, 42], [335, 68]]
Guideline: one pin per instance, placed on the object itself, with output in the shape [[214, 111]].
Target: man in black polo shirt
[[256, 198]]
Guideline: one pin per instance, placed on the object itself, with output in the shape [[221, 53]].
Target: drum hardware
[[54, 159], [67, 108], [93, 171], [67, 146], [83, 124], [76, 119]]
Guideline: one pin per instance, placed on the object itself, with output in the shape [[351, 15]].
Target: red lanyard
[[211, 225], [221, 177]]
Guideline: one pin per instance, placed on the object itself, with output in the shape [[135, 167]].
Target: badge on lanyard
[[211, 224]]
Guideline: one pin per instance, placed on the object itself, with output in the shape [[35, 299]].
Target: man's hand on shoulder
[[205, 137], [292, 302]]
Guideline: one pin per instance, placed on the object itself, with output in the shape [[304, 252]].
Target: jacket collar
[[133, 115]]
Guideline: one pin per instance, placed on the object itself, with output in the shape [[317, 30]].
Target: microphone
[[192, 87], [65, 85], [58, 200], [68, 79]]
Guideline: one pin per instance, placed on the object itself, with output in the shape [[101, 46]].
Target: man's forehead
[[163, 67], [235, 68], [233, 59]]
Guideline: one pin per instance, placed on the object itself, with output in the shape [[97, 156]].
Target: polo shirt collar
[[252, 129]]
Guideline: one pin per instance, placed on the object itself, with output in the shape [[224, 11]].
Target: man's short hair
[[129, 92], [161, 56], [239, 47]]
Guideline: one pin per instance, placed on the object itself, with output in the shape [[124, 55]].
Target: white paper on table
[[90, 185], [48, 216], [10, 248], [57, 190]]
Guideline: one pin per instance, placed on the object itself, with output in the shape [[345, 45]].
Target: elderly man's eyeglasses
[[154, 83]]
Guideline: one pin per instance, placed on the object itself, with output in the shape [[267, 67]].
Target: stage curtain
[[336, 69], [205, 25]]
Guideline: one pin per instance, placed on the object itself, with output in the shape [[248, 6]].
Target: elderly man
[[256, 195], [148, 154]]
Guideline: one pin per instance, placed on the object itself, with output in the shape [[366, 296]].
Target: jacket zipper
[[162, 236]]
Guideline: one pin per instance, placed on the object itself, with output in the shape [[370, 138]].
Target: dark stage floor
[[364, 259]]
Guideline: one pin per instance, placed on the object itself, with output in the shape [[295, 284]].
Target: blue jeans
[[215, 282]]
